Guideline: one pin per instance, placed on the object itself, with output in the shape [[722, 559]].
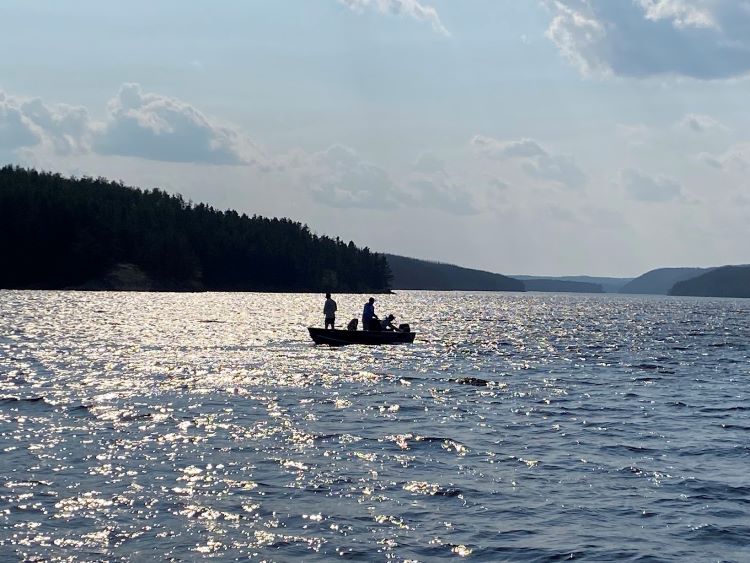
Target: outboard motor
[[404, 327]]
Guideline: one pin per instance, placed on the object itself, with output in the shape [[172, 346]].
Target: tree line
[[60, 232]]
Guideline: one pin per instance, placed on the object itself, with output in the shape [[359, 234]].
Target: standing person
[[329, 310], [368, 313]]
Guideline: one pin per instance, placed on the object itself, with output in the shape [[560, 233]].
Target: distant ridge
[[727, 281], [412, 273], [661, 280], [606, 284], [609, 284], [562, 286]]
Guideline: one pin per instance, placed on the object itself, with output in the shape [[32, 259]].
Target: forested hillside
[[660, 281], [410, 273], [62, 232], [727, 281]]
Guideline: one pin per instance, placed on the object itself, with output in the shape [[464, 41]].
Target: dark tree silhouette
[[60, 232]]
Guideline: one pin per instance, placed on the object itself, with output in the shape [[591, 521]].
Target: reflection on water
[[518, 427]]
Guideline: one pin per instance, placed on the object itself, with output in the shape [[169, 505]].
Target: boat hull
[[371, 338]]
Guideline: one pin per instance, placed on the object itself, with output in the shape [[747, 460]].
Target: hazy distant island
[[608, 284], [563, 284], [86, 233], [727, 281], [558, 285]]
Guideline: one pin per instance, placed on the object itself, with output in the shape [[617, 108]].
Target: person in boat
[[387, 323], [329, 311], [368, 314], [352, 324]]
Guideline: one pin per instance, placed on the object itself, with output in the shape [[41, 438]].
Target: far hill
[[411, 273], [562, 286], [727, 281], [660, 281], [609, 285], [606, 284], [88, 233]]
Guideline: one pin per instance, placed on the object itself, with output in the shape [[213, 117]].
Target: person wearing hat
[[368, 314]]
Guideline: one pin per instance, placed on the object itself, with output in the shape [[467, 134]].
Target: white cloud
[[644, 187], [498, 184], [524, 148], [536, 161], [735, 158], [411, 8], [138, 124], [432, 186], [428, 163], [699, 123], [635, 135], [16, 129], [30, 122], [558, 168], [158, 127], [682, 13], [703, 39], [66, 127], [710, 160], [339, 177]]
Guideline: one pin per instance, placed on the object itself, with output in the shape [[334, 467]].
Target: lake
[[518, 427]]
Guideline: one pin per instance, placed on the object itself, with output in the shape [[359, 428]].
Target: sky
[[543, 137]]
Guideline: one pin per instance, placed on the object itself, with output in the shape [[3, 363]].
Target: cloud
[[66, 127], [635, 135], [525, 148], [339, 177], [158, 127], [736, 157], [432, 186], [699, 123], [683, 13], [711, 160], [557, 168], [16, 129], [703, 39], [410, 8], [498, 184], [138, 124], [428, 163], [30, 122], [644, 187], [536, 161]]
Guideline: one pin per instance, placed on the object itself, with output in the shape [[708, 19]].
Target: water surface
[[519, 427]]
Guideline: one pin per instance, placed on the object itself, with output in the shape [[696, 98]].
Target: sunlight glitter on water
[[528, 427]]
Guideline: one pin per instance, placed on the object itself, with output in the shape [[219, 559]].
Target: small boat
[[337, 337]]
